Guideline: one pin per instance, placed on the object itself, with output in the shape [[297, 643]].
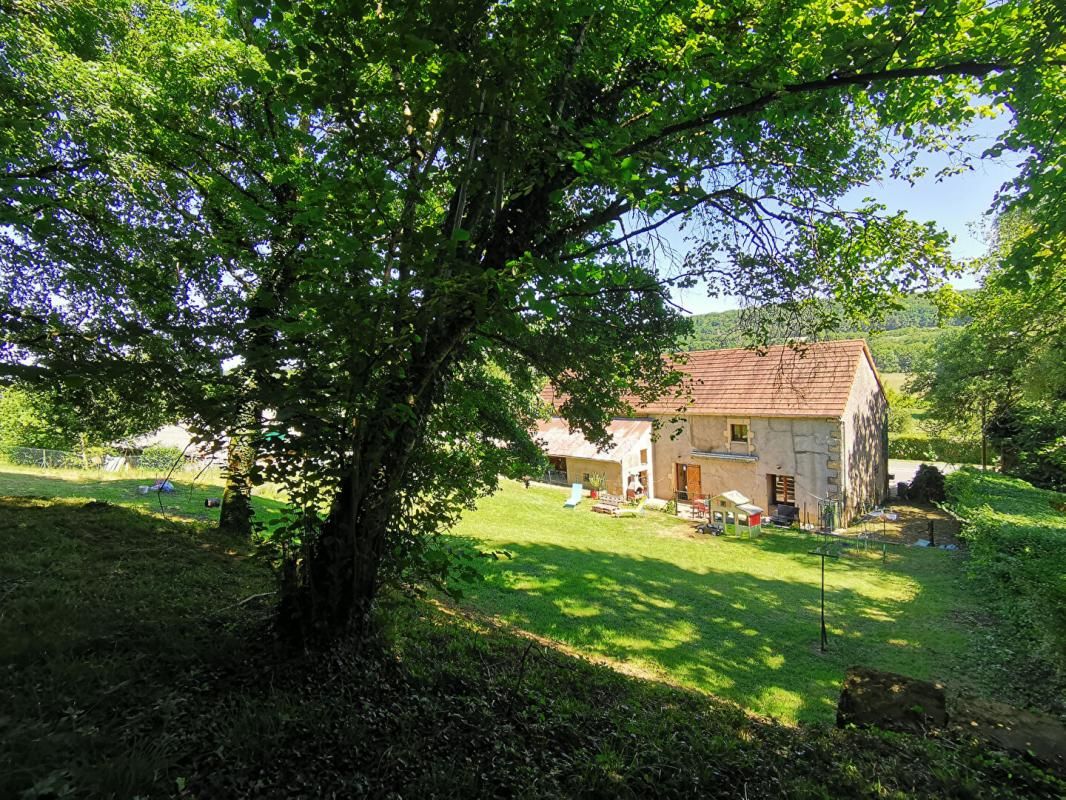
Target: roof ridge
[[754, 348]]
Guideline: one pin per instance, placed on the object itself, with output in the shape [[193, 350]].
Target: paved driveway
[[906, 470]]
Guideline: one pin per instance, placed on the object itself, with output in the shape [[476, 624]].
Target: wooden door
[[692, 486]]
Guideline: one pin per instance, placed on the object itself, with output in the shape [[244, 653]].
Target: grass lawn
[[120, 489], [895, 380], [737, 618], [136, 661]]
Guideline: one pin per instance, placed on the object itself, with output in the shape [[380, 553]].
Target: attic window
[[738, 432]]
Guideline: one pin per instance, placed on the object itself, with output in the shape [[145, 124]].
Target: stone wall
[[864, 465], [796, 446], [611, 470]]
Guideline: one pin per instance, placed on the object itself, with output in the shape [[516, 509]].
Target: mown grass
[[186, 502], [735, 617], [130, 667], [895, 380], [109, 619]]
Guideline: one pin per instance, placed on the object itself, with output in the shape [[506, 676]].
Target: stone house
[[792, 425]]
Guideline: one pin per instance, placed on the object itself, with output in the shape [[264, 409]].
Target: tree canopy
[[1004, 373], [395, 220]]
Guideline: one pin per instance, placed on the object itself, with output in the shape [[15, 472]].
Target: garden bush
[[1017, 540], [927, 486]]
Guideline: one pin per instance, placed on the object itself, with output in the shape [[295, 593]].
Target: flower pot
[[593, 493]]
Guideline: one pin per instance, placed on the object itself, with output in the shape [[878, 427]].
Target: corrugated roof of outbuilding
[[627, 434]]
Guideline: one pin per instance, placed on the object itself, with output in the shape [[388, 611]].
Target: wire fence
[[161, 460], [555, 477]]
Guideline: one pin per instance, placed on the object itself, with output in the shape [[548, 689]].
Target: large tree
[[1004, 373], [397, 219]]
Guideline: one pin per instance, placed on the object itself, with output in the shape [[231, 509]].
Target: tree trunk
[[329, 592], [236, 513], [84, 450], [328, 589], [984, 436]]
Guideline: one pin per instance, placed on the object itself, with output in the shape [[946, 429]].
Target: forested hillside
[[896, 341]]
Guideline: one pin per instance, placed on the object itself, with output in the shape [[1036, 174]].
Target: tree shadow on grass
[[129, 667], [110, 620], [721, 629]]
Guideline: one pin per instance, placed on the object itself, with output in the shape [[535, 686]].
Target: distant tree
[[901, 406], [899, 332], [26, 420], [35, 417], [397, 220]]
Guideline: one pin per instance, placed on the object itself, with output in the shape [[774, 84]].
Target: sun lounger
[[630, 511], [575, 496]]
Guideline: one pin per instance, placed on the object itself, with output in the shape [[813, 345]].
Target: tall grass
[[1017, 538]]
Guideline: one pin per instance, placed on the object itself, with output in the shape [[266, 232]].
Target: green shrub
[[927, 486], [1017, 539], [926, 448], [161, 458]]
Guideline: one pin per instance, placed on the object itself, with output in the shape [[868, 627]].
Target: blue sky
[[957, 204]]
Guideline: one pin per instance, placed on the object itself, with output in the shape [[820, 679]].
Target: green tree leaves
[[1004, 371], [371, 212]]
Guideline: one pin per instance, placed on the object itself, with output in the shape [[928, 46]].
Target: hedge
[[926, 448], [1017, 539]]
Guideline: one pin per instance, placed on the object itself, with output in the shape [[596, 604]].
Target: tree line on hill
[[1002, 377], [906, 332]]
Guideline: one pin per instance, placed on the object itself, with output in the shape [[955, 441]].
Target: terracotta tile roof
[[626, 434], [810, 380]]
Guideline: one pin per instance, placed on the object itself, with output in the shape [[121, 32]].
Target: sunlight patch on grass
[[721, 614], [572, 608], [774, 660], [789, 703], [531, 584], [876, 614], [183, 505]]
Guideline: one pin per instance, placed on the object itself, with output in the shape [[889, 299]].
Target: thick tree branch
[[975, 69]]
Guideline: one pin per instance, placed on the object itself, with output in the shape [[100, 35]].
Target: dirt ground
[[911, 524]]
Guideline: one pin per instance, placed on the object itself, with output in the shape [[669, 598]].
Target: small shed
[[733, 508], [621, 464]]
